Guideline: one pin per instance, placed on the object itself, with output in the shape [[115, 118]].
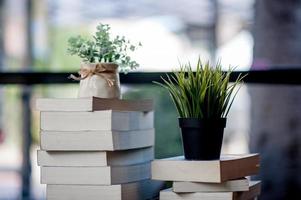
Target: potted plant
[[102, 59], [203, 99]]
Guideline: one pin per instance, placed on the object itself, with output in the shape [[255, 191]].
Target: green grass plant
[[204, 93]]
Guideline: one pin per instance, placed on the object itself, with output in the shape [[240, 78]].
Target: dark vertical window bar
[[26, 114]]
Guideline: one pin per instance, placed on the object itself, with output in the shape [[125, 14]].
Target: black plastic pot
[[202, 138]]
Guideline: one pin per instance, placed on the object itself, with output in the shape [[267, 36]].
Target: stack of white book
[[222, 179], [94, 148]]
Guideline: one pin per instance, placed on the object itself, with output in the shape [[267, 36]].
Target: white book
[[94, 158], [96, 121], [92, 104], [96, 140], [108, 175], [228, 186], [146, 189], [251, 194], [229, 167]]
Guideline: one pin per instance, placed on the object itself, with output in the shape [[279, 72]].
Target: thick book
[[96, 121], [94, 158], [146, 189], [251, 194], [92, 104], [96, 140], [216, 171], [227, 186], [108, 175]]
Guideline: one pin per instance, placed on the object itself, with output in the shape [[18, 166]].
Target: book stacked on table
[[93, 148], [222, 179]]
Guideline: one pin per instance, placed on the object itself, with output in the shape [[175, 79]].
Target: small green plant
[[205, 93], [103, 48]]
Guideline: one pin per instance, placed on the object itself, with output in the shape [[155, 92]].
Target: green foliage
[[102, 48], [205, 93]]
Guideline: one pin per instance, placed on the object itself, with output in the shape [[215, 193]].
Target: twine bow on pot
[[105, 70]]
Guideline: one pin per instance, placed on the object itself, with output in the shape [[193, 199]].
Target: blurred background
[[250, 35]]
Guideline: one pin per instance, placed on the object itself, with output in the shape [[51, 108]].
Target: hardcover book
[[96, 121], [251, 194], [96, 140], [92, 104], [95, 158], [227, 186], [216, 171], [108, 175], [146, 189]]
